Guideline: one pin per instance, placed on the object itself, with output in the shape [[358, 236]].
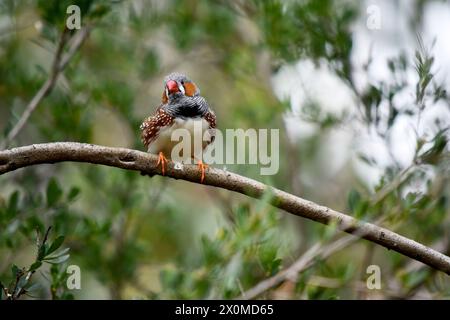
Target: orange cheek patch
[[190, 89]]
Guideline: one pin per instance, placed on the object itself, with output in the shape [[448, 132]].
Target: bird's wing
[[151, 126], [210, 117]]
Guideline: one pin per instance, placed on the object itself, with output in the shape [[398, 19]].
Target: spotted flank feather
[[210, 117], [152, 125]]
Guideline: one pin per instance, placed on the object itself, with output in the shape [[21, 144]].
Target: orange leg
[[162, 160], [202, 168]]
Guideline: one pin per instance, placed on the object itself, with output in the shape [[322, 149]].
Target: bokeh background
[[358, 90]]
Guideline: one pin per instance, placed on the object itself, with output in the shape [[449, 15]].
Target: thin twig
[[59, 64], [146, 163], [75, 46]]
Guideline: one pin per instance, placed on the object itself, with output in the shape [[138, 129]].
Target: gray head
[[177, 85]]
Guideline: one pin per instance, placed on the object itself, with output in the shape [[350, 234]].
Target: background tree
[[154, 238]]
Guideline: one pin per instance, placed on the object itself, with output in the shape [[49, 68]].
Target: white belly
[[194, 128]]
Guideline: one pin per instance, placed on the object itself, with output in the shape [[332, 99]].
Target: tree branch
[[128, 159], [59, 64]]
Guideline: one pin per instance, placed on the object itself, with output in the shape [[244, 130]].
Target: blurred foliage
[[236, 257], [21, 277], [135, 237]]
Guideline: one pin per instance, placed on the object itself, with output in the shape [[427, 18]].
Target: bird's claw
[[202, 168], [162, 160]]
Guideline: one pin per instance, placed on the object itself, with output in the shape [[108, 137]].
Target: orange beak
[[172, 86]]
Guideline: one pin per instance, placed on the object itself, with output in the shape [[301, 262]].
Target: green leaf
[[433, 155], [368, 160], [54, 192], [35, 266], [21, 284], [275, 266], [73, 193], [171, 279], [42, 251], [15, 270], [58, 254], [55, 245], [13, 201], [58, 259], [68, 296], [99, 10], [353, 200]]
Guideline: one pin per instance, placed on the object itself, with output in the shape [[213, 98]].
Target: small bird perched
[[181, 107]]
